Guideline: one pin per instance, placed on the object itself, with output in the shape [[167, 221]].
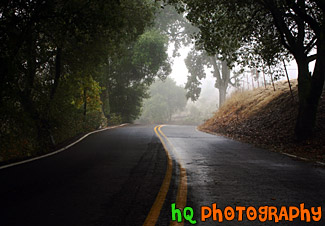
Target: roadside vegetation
[[266, 118], [167, 104], [166, 99], [263, 34], [69, 67]]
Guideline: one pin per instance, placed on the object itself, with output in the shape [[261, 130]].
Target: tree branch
[[311, 58], [310, 45], [307, 18], [320, 4], [58, 62], [216, 71], [283, 29]]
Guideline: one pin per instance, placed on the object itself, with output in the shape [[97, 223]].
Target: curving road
[[115, 177], [109, 178], [231, 173]]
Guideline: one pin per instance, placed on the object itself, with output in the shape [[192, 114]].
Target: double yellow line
[[182, 186]]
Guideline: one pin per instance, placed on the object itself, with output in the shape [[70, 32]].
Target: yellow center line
[[156, 207], [182, 186]]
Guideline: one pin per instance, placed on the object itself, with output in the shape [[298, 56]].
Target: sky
[[179, 70]]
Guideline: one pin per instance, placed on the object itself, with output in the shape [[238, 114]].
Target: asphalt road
[[109, 178], [230, 173], [114, 177]]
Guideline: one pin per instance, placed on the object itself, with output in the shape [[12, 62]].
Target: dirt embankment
[[267, 118]]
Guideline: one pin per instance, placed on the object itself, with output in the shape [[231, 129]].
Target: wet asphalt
[[231, 173], [109, 178], [113, 177]]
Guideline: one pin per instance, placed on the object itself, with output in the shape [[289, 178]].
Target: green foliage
[[150, 55], [166, 98], [114, 119], [195, 62], [198, 112], [126, 101], [18, 136], [155, 110], [202, 56], [127, 74], [270, 30], [68, 117], [177, 28], [53, 85]]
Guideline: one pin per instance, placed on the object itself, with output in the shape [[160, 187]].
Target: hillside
[[266, 118]]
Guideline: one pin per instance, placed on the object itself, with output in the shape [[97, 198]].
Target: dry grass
[[266, 118]]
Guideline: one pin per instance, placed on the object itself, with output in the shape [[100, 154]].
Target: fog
[[194, 112], [202, 109]]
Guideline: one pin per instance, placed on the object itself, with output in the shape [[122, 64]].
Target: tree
[[295, 26], [150, 56], [127, 75], [48, 45], [182, 33], [307, 17], [175, 26], [166, 98], [195, 63]]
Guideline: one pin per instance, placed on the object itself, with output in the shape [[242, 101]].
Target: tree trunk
[[26, 99], [222, 78], [4, 68], [104, 96], [58, 67], [264, 78], [42, 125], [310, 89], [85, 102], [223, 84], [222, 95], [271, 75], [285, 68]]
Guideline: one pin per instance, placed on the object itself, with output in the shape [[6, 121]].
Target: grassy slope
[[266, 118]]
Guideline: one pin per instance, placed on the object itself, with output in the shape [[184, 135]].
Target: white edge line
[[295, 156], [60, 150], [284, 153], [302, 158], [321, 163]]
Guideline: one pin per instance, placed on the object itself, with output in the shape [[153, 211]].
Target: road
[[231, 173], [118, 176]]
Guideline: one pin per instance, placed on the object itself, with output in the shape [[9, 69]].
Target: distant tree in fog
[[166, 98]]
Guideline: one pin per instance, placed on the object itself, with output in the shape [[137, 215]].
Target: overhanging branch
[[311, 58]]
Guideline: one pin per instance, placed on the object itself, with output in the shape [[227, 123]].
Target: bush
[[114, 119]]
